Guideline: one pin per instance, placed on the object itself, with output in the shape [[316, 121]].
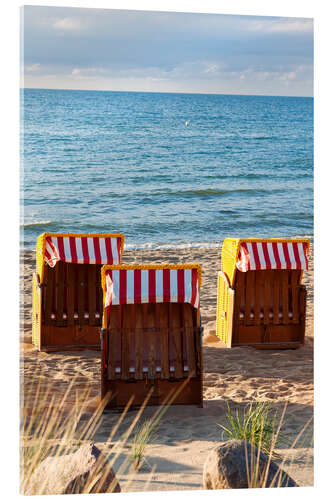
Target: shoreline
[[180, 245]]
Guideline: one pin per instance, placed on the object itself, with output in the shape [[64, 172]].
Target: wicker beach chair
[[260, 298], [151, 335], [67, 294]]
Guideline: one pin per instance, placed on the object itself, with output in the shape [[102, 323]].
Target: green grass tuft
[[256, 424]]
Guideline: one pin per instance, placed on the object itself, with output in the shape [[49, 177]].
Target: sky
[[123, 50]]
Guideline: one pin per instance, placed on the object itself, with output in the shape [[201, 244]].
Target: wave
[[169, 246], [177, 246], [34, 224], [191, 193]]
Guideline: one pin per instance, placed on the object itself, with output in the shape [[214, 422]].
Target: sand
[[231, 376]]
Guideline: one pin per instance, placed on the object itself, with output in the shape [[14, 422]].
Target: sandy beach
[[234, 376]]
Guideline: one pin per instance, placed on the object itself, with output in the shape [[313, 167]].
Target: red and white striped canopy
[[142, 286], [83, 249], [272, 255]]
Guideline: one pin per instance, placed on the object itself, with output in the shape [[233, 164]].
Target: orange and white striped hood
[[272, 255], [144, 284], [83, 249]]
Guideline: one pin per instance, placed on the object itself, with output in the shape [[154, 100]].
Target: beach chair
[[260, 298], [67, 294], [151, 336]]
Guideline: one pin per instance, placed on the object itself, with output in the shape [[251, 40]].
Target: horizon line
[[167, 92]]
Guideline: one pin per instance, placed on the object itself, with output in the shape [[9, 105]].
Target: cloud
[[283, 26], [87, 73], [68, 24], [212, 68], [32, 67], [203, 51]]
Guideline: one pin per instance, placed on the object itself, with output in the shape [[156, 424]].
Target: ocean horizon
[[166, 169]]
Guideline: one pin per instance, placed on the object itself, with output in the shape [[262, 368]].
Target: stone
[[71, 473], [226, 468]]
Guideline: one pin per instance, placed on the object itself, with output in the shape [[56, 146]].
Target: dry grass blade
[[50, 429]]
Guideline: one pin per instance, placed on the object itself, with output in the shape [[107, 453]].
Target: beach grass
[[255, 424], [54, 428], [51, 428]]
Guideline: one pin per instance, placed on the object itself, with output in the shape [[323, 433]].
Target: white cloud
[[32, 67], [87, 73], [212, 68], [68, 24], [283, 26]]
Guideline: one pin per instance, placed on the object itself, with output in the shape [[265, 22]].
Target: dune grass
[[143, 435], [51, 428], [258, 425]]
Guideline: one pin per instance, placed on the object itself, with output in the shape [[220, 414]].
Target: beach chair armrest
[[37, 279], [226, 279]]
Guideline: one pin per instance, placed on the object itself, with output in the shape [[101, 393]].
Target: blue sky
[[72, 48]]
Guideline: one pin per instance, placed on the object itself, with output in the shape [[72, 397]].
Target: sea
[[165, 169]]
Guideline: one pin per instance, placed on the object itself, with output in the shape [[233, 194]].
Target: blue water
[[126, 162]]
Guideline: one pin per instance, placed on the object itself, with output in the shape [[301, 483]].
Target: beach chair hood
[[79, 248], [253, 254], [151, 284]]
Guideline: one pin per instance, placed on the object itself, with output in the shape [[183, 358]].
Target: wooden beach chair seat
[[151, 335], [67, 294], [260, 298]]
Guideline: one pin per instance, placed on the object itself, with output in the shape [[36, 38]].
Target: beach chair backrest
[[152, 316], [68, 269], [268, 297]]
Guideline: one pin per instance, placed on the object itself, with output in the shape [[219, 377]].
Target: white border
[[323, 232]]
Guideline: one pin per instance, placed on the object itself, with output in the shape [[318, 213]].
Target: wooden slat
[[60, 290], [302, 308], [295, 296], [92, 293], [242, 296], [145, 340], [50, 290], [302, 311], [158, 340], [99, 292], [276, 297], [174, 322], [81, 287], [70, 294], [151, 337], [285, 297], [132, 339], [182, 334], [138, 341], [125, 344], [268, 282], [189, 339], [258, 297], [114, 341], [249, 297], [197, 345], [164, 328]]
